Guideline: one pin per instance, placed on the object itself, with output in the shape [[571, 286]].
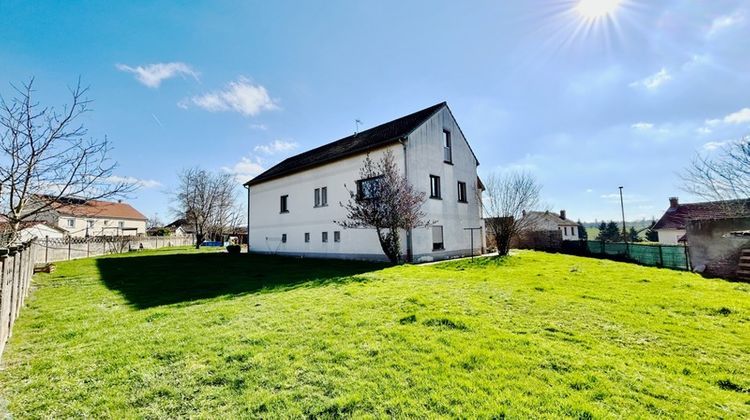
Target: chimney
[[562, 214], [673, 202], [523, 213], [119, 201]]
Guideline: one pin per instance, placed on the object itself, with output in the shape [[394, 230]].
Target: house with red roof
[[84, 218], [673, 224]]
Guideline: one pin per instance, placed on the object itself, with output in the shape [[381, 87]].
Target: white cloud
[[143, 183], [246, 169], [241, 96], [740, 117], [589, 190], [654, 81], [724, 22], [704, 130], [713, 145], [276, 146], [261, 127], [626, 198], [642, 126], [152, 75]]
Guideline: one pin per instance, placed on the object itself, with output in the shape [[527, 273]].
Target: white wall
[[102, 226], [572, 233], [670, 236], [425, 158], [267, 223], [39, 231]]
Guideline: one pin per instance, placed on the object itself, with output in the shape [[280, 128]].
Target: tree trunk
[[198, 240]]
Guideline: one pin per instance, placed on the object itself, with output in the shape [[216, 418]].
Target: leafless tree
[[207, 201], [154, 222], [506, 197], [384, 200], [46, 157], [725, 176]]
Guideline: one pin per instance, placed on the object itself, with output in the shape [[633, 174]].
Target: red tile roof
[[96, 208], [677, 217]]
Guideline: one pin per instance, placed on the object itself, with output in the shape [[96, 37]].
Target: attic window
[[447, 149]]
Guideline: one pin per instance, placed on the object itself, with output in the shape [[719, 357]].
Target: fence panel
[[53, 250], [15, 280], [669, 256]]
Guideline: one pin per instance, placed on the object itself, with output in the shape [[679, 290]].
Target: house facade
[[84, 218], [672, 226], [538, 221], [293, 206]]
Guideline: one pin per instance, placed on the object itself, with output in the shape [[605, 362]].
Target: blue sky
[[586, 105]]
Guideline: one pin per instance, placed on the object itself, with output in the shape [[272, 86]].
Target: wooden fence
[[17, 264]]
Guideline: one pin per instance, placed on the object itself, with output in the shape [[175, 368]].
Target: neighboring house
[[672, 225], [180, 227], [83, 218], [35, 230], [293, 205], [539, 221]]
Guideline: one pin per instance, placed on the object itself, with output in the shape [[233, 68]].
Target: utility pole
[[624, 229]]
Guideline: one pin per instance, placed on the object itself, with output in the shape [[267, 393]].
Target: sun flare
[[596, 9]]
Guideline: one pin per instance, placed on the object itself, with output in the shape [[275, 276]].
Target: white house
[[40, 230], [83, 218], [293, 205], [547, 221]]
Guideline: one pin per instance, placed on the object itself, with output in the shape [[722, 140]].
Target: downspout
[[247, 187], [409, 252]]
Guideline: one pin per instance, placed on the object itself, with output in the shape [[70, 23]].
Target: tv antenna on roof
[[357, 123]]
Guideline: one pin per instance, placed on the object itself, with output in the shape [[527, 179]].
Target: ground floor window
[[337, 236], [283, 238], [324, 237], [307, 237], [437, 238]]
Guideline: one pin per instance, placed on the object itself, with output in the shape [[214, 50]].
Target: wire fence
[[658, 255], [16, 269], [58, 249]]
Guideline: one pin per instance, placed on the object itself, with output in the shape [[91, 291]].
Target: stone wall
[[713, 251]]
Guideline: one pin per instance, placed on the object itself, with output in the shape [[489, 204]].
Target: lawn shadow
[[154, 280]]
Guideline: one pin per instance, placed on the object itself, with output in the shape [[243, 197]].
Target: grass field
[[175, 333]]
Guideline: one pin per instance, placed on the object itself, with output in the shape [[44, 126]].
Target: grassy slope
[[160, 335]]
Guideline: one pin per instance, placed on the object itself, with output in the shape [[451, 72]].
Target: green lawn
[[175, 333]]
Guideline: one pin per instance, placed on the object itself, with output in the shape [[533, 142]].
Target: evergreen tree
[[582, 233], [612, 232], [651, 234], [602, 236], [633, 235]]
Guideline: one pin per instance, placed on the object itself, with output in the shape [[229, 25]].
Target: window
[[321, 197], [447, 152], [461, 192], [283, 238], [437, 238], [566, 230], [71, 222], [121, 225], [90, 223], [106, 223], [434, 186], [368, 188], [324, 237], [337, 236], [284, 204], [307, 237]]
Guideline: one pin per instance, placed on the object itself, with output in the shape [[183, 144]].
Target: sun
[[596, 9]]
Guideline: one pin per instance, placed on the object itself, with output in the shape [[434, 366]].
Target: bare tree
[[207, 201], [384, 200], [154, 222], [723, 177], [506, 198], [47, 157]]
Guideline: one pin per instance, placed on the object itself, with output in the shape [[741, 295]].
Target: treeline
[[611, 232]]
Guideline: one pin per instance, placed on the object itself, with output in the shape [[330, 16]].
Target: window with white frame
[[71, 222], [321, 197], [461, 192], [434, 186], [337, 236], [447, 147], [324, 237]]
